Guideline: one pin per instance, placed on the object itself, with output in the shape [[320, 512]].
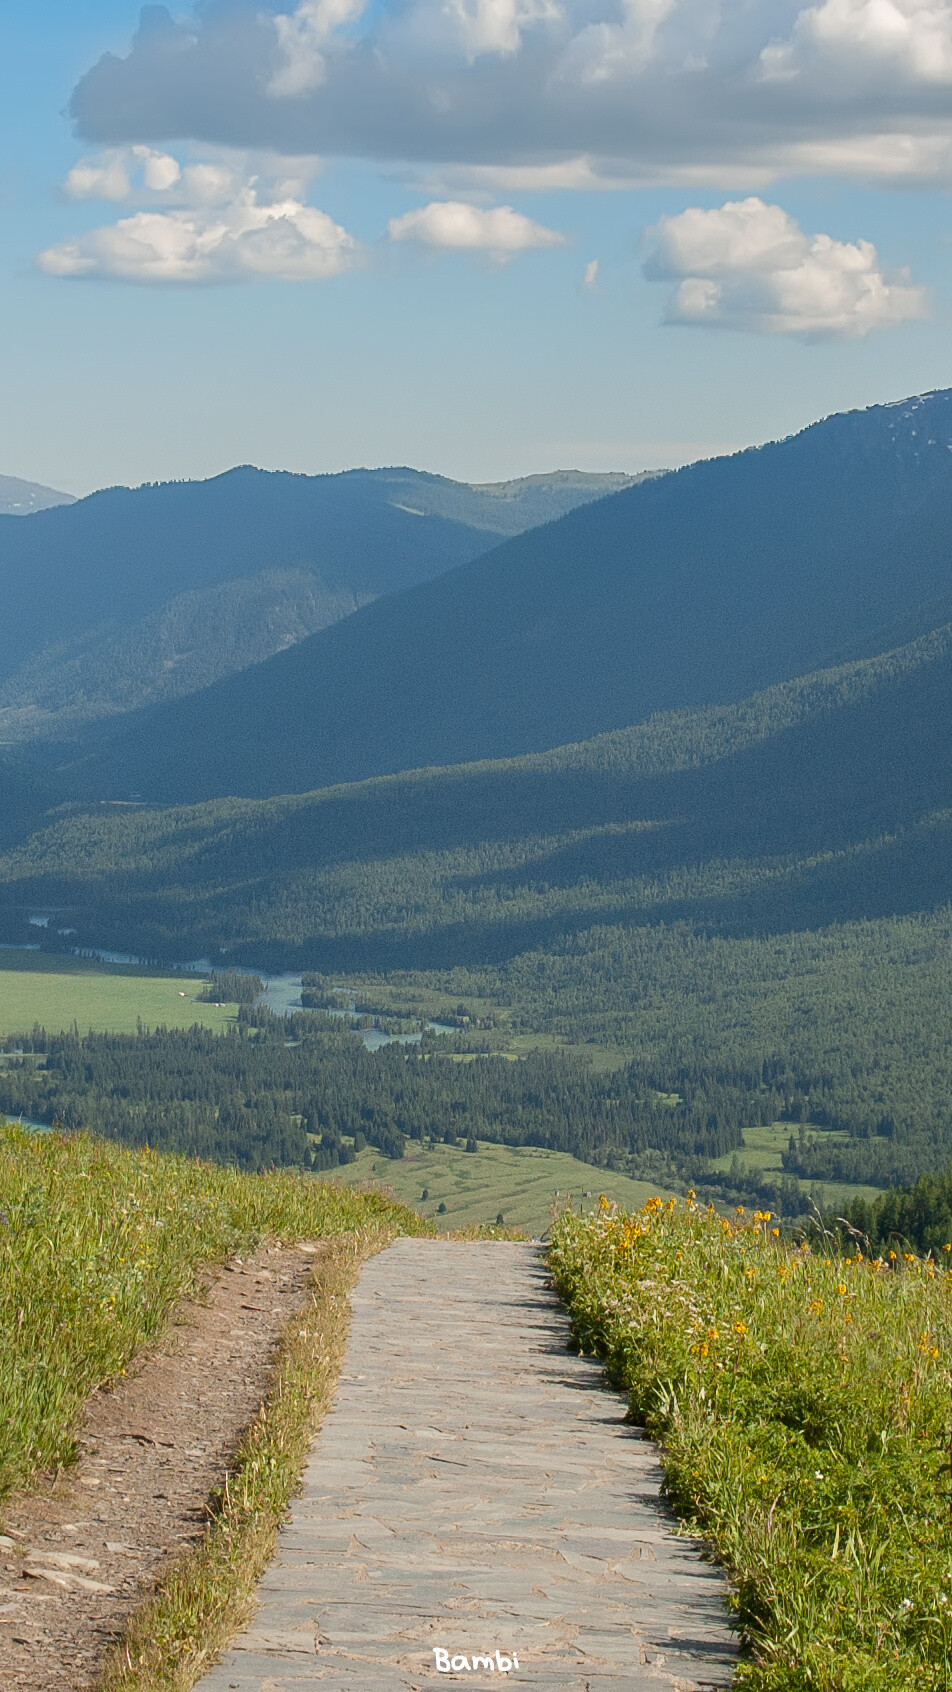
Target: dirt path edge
[[208, 1594]]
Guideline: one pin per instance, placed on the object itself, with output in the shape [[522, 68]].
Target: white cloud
[[863, 40], [455, 226], [590, 278], [148, 177], [750, 266], [546, 93], [303, 38], [242, 239], [498, 26]]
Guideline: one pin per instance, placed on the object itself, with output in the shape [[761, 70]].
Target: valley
[[512, 925]]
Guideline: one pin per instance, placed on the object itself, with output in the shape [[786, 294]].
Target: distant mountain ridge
[[79, 582], [698, 588], [20, 499]]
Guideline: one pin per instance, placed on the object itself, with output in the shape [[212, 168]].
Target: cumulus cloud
[[455, 226], [748, 265], [865, 41], [303, 38], [242, 239], [566, 92]]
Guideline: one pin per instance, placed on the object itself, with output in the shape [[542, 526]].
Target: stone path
[[476, 1490]]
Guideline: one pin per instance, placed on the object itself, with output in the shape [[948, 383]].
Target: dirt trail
[[79, 1555], [476, 1490]]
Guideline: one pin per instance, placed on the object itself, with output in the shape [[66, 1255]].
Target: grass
[[762, 1151], [520, 1182], [58, 991], [96, 1245], [803, 1404], [208, 1595]]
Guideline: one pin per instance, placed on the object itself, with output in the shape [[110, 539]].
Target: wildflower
[[818, 1474], [740, 1212], [775, 1230], [740, 1327], [906, 1604], [691, 1193], [816, 1307], [892, 1257], [703, 1348], [841, 1288], [947, 1248]]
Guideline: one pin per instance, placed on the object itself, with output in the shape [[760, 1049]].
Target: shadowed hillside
[[817, 800], [84, 582], [699, 587]]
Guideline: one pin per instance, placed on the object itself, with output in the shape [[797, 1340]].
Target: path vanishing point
[[476, 1492]]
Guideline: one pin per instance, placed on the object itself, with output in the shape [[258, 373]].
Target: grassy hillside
[[695, 588], [801, 1398], [525, 1184], [97, 1245]]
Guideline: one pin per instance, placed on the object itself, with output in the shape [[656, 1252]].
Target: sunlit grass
[[96, 1245], [803, 1405]]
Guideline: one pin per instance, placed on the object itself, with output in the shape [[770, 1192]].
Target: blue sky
[[484, 237]]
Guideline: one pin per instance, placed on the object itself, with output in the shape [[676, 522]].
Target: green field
[[523, 1182], [762, 1151], [108, 998]]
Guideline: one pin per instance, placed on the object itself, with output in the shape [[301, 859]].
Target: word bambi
[[455, 1665]]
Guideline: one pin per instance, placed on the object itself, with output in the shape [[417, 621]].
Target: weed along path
[[476, 1511]]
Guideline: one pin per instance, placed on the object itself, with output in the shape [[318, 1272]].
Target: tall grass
[[803, 1406], [97, 1243]]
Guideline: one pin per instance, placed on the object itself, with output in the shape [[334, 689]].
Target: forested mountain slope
[[77, 582], [819, 799], [751, 901], [696, 588]]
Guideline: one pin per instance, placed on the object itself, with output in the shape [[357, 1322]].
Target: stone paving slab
[[475, 1488]]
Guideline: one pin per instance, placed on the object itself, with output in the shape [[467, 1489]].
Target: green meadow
[[97, 1243], [762, 1151], [522, 1183], [802, 1402], [58, 991]]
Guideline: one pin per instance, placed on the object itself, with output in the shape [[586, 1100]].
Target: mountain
[[193, 640], [81, 582], [822, 799], [19, 499], [699, 587]]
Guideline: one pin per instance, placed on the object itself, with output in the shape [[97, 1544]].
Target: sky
[[480, 237]]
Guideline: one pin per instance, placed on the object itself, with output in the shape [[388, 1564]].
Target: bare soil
[[79, 1554]]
